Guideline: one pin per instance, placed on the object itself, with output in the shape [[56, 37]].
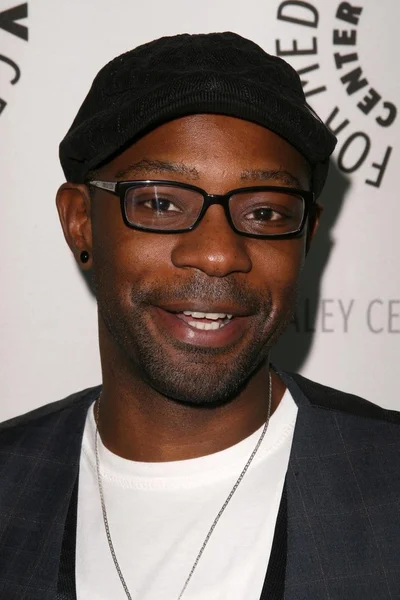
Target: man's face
[[146, 281]]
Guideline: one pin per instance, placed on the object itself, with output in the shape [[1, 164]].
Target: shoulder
[[332, 423], [332, 399], [69, 408], [42, 443]]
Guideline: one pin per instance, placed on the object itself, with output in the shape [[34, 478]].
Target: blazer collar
[[291, 382]]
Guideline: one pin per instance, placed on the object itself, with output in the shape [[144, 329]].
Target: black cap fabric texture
[[218, 73]]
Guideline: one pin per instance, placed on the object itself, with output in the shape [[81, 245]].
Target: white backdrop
[[351, 296]]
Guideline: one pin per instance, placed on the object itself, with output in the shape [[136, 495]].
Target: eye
[[155, 202], [267, 213], [159, 205]]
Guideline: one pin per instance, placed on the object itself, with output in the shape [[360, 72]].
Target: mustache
[[204, 290]]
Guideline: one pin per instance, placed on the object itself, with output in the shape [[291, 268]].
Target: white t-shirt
[[160, 513]]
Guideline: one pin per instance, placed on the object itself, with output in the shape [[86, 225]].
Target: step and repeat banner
[[346, 331]]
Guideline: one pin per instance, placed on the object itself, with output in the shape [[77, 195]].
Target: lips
[[214, 327]]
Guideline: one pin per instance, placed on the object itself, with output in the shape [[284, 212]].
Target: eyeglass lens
[[259, 212]]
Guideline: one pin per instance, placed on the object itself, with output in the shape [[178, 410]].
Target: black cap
[[219, 73]]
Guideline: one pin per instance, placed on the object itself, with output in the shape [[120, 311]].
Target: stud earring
[[84, 256]]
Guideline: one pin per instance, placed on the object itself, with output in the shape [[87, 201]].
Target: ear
[[73, 205], [313, 223]]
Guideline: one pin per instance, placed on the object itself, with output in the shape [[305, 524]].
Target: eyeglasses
[[173, 207]]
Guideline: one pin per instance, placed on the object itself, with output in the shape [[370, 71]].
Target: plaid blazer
[[337, 535]]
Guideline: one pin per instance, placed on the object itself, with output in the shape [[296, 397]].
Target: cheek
[[124, 257], [278, 264]]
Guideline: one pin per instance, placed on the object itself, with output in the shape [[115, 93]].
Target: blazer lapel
[[275, 580], [302, 557], [66, 586], [274, 584]]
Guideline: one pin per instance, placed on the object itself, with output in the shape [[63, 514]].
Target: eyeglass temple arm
[[104, 185]]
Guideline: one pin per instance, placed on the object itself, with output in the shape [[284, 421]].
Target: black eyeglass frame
[[120, 188]]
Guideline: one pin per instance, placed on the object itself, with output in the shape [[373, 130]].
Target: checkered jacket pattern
[[337, 535]]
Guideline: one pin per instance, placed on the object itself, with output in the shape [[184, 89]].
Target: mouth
[[213, 327]]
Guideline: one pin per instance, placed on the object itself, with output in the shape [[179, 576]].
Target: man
[[196, 470]]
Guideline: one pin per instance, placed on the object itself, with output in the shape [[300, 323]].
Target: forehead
[[210, 145]]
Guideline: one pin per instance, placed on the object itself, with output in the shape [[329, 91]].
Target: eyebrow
[[276, 175], [161, 166], [158, 166]]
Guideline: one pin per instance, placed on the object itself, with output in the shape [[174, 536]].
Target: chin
[[198, 382]]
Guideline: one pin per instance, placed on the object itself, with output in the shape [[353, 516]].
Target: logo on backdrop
[[343, 315], [9, 22], [356, 148]]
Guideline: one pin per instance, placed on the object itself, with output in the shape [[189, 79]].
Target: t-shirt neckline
[[128, 473]]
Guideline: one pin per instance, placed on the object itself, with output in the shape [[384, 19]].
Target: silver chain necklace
[[217, 518]]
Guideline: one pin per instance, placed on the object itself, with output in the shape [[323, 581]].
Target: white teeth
[[206, 326], [203, 315]]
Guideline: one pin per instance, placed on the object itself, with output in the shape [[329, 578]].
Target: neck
[[138, 423]]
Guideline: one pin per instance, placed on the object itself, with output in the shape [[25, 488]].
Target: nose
[[212, 247]]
